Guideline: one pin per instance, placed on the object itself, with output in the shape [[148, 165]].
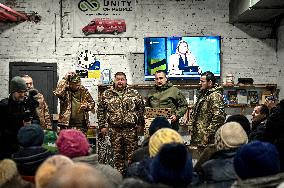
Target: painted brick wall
[[280, 58], [243, 54]]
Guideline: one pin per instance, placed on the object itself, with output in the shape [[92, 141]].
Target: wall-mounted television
[[182, 58]]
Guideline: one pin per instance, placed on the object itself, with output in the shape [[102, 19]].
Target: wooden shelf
[[241, 105], [260, 86], [148, 86]]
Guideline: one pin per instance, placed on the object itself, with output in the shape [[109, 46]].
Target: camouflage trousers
[[124, 142]]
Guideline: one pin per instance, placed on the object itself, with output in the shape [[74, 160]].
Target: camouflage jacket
[[168, 96], [118, 111], [64, 94], [43, 112], [207, 116]]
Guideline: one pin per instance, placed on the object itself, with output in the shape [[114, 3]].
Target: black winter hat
[[158, 123], [17, 84], [256, 159], [172, 166]]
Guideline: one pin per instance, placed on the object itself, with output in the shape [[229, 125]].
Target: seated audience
[[210, 149], [143, 152], [157, 140], [31, 153], [74, 144], [48, 168], [257, 165], [10, 177], [219, 170], [259, 115]]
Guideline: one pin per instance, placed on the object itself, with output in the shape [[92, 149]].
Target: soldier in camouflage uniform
[[208, 113], [167, 96], [121, 109], [42, 109], [75, 103]]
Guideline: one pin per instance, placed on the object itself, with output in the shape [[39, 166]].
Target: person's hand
[[270, 103], [83, 106], [173, 118], [69, 74]]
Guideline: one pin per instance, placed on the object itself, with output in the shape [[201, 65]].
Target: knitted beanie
[[30, 135], [230, 135], [158, 123], [172, 166], [256, 159], [17, 84], [72, 143], [161, 137]]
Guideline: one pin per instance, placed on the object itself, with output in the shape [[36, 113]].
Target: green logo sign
[[85, 5]]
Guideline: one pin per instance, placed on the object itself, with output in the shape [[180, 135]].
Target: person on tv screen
[[181, 59], [165, 95]]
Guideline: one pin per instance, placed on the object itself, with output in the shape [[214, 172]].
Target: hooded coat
[[207, 116]]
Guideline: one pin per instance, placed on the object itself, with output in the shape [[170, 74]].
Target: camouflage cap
[[75, 79]]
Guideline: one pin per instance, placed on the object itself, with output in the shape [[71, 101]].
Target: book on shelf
[[232, 97], [242, 96], [264, 95], [253, 97]]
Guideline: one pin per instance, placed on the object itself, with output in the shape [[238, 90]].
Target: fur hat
[[48, 168], [256, 159], [30, 135], [8, 170], [79, 175], [161, 137], [172, 165], [17, 84], [158, 123], [230, 135], [72, 143]]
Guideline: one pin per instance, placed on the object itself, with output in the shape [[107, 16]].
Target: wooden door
[[44, 77]]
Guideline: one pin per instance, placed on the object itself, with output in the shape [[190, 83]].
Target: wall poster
[[104, 18]]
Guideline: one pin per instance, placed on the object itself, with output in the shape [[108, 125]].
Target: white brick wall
[[242, 54], [280, 59]]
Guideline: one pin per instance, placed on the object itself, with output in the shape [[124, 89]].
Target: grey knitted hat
[[17, 84]]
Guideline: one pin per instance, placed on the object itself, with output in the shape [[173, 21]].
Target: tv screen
[[182, 58]]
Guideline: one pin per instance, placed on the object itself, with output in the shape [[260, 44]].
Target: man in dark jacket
[[259, 116], [15, 111], [167, 96], [274, 131]]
